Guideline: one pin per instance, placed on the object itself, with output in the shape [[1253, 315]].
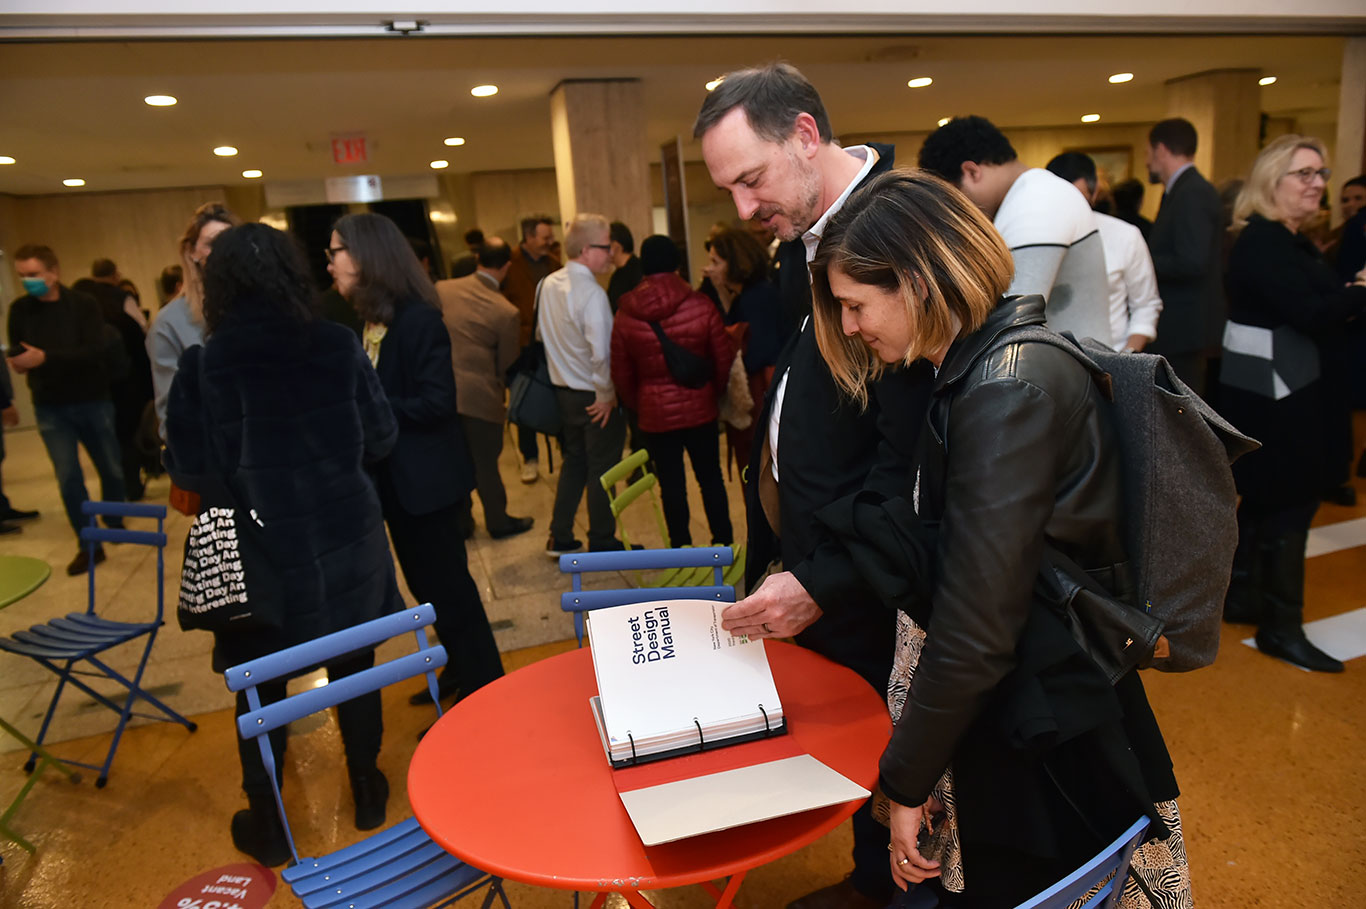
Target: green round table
[[20, 576]]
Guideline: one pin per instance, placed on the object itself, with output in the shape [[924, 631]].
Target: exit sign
[[349, 150]]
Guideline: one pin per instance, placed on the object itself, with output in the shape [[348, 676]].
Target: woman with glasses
[[1285, 305], [425, 483]]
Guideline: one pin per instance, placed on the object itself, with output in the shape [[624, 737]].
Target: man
[[575, 323], [1352, 244], [1050, 231], [531, 261], [627, 271], [766, 139], [1134, 303], [484, 327], [1186, 243], [132, 391], [469, 263], [61, 343], [9, 416]]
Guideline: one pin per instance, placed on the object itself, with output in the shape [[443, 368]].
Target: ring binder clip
[[701, 740], [768, 730], [633, 747]]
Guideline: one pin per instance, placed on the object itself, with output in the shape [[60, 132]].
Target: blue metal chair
[[398, 868], [82, 637], [1100, 881], [578, 601]]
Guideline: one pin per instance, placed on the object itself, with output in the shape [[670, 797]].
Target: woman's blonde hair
[[909, 232], [192, 274], [1272, 165]]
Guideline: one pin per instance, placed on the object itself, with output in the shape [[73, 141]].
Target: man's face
[[597, 254], [35, 269], [774, 182], [1156, 161], [538, 241], [1353, 200]]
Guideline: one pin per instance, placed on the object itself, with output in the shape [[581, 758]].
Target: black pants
[[587, 451], [666, 450], [360, 719], [431, 552], [526, 444], [485, 440]]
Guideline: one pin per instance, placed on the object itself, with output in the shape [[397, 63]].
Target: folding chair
[[398, 868], [708, 559], [675, 577], [82, 637], [1100, 881]]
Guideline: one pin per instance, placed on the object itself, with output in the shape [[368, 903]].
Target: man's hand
[[31, 358], [1136, 343], [9, 416], [780, 608], [601, 411]]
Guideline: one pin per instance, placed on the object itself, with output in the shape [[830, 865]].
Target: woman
[[673, 417], [1286, 308], [283, 409], [1005, 726], [738, 268], [425, 484]]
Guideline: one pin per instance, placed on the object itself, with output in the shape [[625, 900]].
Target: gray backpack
[[1180, 526]]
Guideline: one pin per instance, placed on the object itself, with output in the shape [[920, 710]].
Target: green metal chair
[[645, 486]]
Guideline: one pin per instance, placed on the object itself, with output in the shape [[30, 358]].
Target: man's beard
[[805, 213], [1154, 178]]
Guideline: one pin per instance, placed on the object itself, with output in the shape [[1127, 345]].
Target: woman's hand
[[908, 865], [780, 608]]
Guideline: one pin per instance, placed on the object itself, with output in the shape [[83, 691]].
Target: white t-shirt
[[1052, 234], [1134, 303]]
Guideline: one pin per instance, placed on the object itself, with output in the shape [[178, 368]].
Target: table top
[[513, 779], [20, 576]]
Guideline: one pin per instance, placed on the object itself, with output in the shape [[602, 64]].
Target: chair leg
[[63, 675]]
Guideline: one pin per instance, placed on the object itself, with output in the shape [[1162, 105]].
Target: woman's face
[[716, 268], [1296, 197], [878, 317], [341, 266], [204, 244]]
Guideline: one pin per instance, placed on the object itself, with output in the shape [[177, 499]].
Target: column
[[1225, 107], [601, 154]]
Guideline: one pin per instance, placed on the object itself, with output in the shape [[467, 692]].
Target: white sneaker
[[530, 471]]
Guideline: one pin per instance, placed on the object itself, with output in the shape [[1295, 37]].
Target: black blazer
[[1186, 244], [430, 467]]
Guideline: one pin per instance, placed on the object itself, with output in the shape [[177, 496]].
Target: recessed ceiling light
[[711, 86], [159, 100], [225, 151], [454, 141], [919, 82], [438, 165], [73, 181], [1117, 78], [251, 174], [1267, 80], [6, 159], [944, 121], [484, 91], [1089, 118]]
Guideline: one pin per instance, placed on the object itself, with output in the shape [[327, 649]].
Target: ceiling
[[76, 109]]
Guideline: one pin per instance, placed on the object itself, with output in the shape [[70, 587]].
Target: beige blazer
[[484, 330]]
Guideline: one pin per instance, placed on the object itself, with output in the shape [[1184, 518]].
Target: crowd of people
[[843, 343]]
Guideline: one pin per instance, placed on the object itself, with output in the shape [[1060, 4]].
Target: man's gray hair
[[583, 230], [772, 97]]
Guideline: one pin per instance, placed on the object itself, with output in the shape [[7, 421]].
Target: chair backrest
[[1110, 866], [94, 535], [260, 719], [578, 601], [621, 471]]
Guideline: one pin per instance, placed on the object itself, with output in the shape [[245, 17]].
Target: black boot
[[1281, 633], [1243, 602], [257, 831], [371, 792]]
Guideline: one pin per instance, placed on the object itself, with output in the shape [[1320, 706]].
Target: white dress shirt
[[1134, 303], [575, 323]]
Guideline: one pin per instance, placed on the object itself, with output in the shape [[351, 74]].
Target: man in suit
[[766, 139], [484, 327], [1185, 243]]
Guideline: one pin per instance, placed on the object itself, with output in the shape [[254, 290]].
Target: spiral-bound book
[[671, 681]]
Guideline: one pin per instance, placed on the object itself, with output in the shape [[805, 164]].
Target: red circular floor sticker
[[240, 886]]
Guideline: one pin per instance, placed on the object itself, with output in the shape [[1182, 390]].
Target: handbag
[[532, 402], [687, 368]]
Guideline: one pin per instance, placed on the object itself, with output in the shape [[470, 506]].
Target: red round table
[[513, 780]]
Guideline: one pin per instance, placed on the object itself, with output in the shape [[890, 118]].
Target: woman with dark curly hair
[[283, 409]]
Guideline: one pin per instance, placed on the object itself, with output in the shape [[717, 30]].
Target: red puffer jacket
[[643, 380]]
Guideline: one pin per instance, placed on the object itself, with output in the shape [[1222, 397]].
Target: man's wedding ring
[[767, 630]]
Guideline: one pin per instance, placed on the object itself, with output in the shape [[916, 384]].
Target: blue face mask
[[35, 286]]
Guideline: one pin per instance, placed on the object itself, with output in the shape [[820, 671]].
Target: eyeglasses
[[332, 252], [605, 247], [1306, 174]]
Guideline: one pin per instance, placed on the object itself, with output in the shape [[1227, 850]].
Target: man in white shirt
[[1051, 232], [575, 324], [1134, 303]]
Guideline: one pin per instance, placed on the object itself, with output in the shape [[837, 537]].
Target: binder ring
[[767, 730], [701, 740]]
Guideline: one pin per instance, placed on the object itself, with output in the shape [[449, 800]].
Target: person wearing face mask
[[1285, 305], [57, 338]]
